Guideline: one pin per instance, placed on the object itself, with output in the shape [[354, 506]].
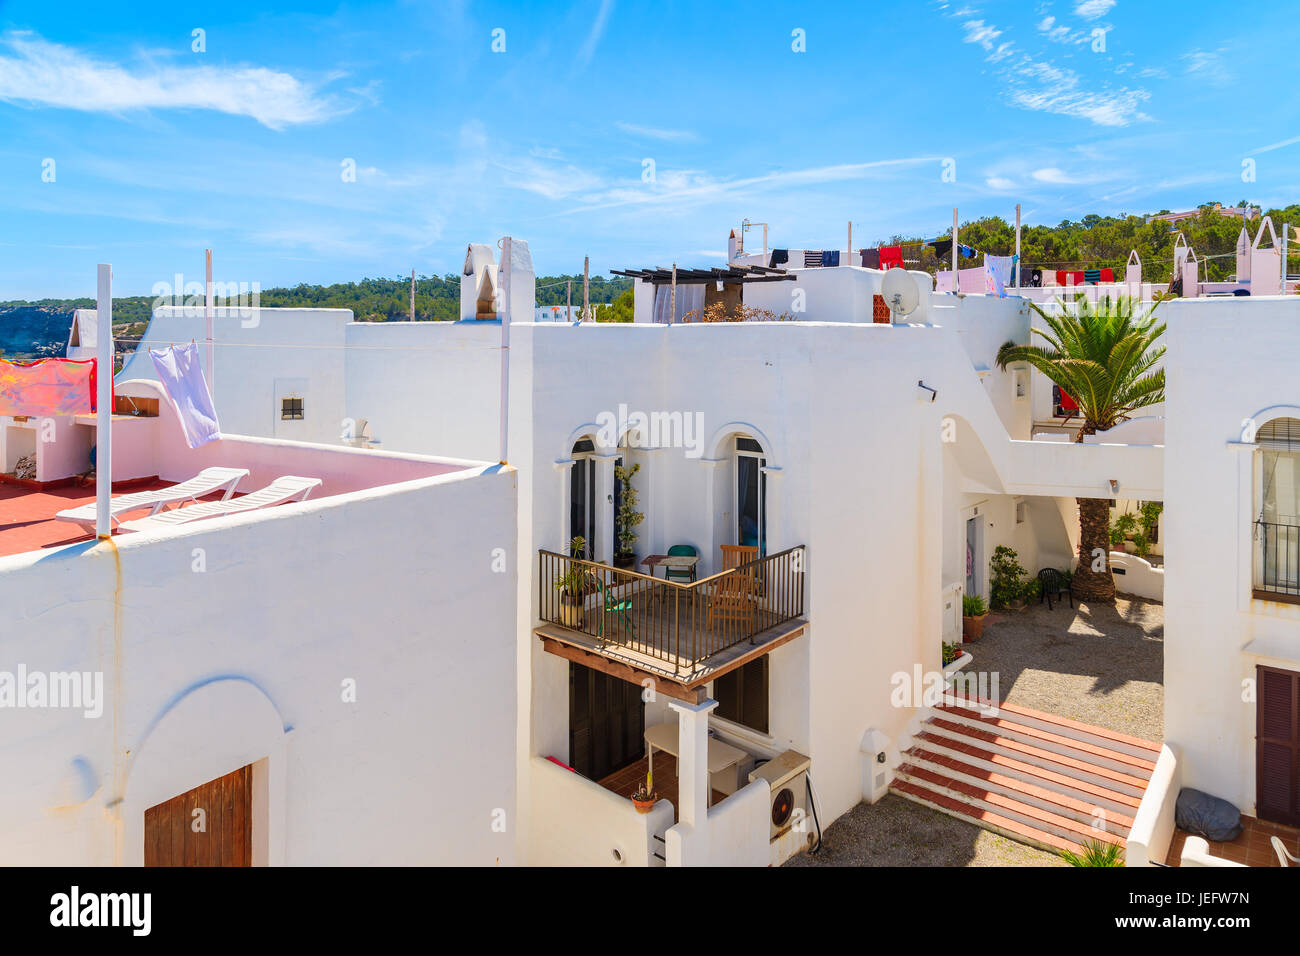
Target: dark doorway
[[1277, 746], [606, 722]]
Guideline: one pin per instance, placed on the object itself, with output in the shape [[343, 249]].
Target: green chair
[[620, 607], [681, 574]]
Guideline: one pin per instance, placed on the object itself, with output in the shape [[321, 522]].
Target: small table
[[665, 737], [681, 562]]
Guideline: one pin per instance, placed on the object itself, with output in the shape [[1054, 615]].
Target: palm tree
[[1104, 357]]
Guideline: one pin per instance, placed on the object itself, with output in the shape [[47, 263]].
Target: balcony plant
[[1122, 530], [1107, 355], [575, 583], [973, 612], [1009, 586], [627, 518], [644, 796]]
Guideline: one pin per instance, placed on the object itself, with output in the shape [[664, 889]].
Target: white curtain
[[690, 298]]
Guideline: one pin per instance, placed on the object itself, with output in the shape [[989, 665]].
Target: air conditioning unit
[[787, 775]]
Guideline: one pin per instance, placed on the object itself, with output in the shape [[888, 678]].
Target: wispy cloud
[[1000, 183], [1058, 177], [1209, 66], [36, 72], [597, 31], [652, 132]]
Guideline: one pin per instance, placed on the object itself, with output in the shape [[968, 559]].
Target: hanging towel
[[1092, 276], [181, 374], [941, 247], [1107, 275], [47, 387], [812, 258], [997, 272], [831, 257], [967, 252], [891, 257], [779, 257], [870, 258]]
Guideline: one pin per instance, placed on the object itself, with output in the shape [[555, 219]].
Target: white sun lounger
[[206, 482], [282, 490]]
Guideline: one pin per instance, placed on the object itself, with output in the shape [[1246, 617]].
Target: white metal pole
[[956, 274], [1018, 262], [1286, 229], [412, 295], [849, 252], [104, 403], [207, 320], [505, 347]]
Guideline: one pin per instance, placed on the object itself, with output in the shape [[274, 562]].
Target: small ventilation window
[[291, 410]]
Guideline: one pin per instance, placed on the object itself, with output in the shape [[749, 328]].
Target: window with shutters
[[1277, 746], [742, 695], [1277, 511]]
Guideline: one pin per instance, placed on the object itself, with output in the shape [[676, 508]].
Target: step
[[1108, 796], [1068, 802], [1011, 807], [1033, 749], [1012, 829], [1101, 753], [1062, 726], [979, 743]]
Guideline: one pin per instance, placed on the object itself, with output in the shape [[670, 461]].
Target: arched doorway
[[751, 493]]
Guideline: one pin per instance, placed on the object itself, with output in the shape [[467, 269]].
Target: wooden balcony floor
[[646, 657]]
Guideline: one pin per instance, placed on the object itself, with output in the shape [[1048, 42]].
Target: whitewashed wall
[[259, 358], [229, 643], [1229, 360]]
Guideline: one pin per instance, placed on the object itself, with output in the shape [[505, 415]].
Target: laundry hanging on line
[[891, 257], [812, 258], [47, 387], [997, 273], [830, 257], [870, 258], [779, 257], [181, 374]]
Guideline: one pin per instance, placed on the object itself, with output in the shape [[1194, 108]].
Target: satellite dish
[[900, 293]]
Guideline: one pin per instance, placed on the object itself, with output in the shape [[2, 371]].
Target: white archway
[[210, 730]]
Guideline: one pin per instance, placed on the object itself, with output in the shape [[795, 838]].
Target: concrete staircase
[[1033, 777]]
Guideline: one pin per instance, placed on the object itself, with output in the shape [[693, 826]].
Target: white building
[[277, 686]]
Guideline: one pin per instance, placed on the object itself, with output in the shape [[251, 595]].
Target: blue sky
[[160, 151]]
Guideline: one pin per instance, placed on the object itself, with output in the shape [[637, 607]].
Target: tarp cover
[[47, 387], [1206, 816]]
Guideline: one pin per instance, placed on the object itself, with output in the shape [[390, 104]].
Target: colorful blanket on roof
[[47, 387]]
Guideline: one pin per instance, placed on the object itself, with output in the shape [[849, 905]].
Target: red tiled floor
[[27, 520], [625, 781], [1252, 846]]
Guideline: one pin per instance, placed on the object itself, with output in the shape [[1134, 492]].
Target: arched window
[[1277, 508], [751, 494], [582, 496]]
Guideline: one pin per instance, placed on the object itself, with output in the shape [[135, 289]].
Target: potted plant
[[627, 518], [574, 585], [1122, 530], [1008, 587], [644, 797], [950, 653], [973, 612]]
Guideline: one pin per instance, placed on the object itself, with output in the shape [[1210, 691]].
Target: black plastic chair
[[1052, 582]]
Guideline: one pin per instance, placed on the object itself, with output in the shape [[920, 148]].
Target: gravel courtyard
[[1099, 664]]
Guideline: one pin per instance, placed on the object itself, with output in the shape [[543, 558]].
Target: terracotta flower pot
[[972, 627], [643, 806]]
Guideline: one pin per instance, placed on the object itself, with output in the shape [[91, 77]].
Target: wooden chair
[[733, 597]]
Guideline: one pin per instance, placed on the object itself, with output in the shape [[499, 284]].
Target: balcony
[[685, 633], [1277, 561]]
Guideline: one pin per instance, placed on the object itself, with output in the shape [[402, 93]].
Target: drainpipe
[[104, 403]]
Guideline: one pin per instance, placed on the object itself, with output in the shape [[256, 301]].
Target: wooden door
[[606, 722], [1277, 746], [222, 835]]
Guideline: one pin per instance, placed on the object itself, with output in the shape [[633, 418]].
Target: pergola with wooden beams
[[729, 274]]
